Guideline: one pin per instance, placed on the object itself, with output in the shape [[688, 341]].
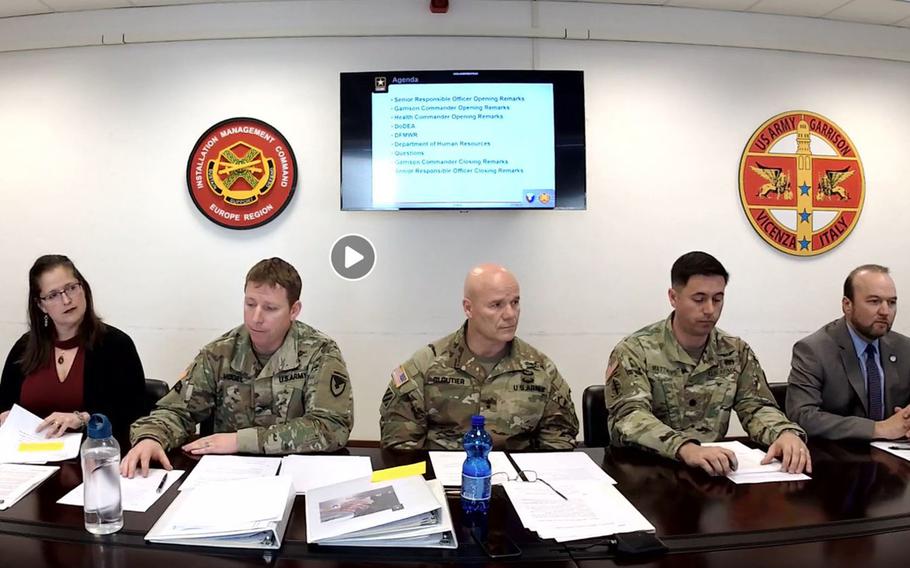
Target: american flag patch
[[399, 377]]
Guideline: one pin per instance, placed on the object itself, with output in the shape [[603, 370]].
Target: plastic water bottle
[[476, 471], [101, 478]]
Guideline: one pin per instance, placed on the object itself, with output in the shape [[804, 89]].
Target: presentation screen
[[462, 140]]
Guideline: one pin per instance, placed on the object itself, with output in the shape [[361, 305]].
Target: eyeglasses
[[70, 290], [526, 475]]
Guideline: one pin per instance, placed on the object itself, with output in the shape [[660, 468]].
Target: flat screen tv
[[462, 140]]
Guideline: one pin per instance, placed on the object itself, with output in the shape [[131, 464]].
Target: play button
[[353, 257]]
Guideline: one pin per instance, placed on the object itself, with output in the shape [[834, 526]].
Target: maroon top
[[43, 393]]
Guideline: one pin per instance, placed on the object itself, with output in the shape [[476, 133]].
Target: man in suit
[[851, 378]]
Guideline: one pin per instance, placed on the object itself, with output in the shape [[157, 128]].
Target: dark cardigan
[[114, 383]]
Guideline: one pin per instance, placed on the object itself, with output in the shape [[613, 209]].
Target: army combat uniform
[[659, 398], [431, 398], [300, 401]]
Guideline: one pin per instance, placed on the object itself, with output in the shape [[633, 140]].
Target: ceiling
[[885, 12]]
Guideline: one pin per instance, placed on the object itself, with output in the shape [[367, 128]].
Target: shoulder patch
[[399, 377], [612, 368], [337, 384]]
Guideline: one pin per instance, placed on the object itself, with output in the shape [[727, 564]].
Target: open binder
[[248, 513]]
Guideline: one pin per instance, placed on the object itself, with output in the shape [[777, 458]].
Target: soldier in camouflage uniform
[[480, 369], [672, 385], [273, 385]]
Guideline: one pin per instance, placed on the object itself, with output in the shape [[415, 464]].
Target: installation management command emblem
[[801, 183], [242, 173]]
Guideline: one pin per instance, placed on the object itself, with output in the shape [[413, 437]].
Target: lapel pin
[[893, 358]]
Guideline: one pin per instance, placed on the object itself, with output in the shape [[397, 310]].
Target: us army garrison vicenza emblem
[[801, 183], [242, 173]]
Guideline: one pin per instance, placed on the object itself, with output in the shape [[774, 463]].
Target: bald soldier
[[273, 385], [672, 385], [480, 369]]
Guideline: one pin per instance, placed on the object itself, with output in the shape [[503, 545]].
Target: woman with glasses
[[70, 364]]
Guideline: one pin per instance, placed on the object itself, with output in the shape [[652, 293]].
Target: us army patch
[[337, 384], [399, 377]]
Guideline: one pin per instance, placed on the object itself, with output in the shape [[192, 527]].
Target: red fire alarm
[[439, 6]]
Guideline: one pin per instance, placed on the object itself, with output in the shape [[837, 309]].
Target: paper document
[[591, 509], [212, 469], [749, 468], [562, 467], [137, 494], [16, 481], [899, 449], [247, 513], [447, 466], [20, 443], [315, 471]]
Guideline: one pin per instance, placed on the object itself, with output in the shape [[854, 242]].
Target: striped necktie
[[874, 387]]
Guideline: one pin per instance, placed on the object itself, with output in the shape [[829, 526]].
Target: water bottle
[[476, 471], [101, 478]]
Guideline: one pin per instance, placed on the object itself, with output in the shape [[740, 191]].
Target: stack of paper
[[447, 466], [749, 468], [20, 443], [403, 512], [573, 498], [249, 513], [137, 493], [214, 469], [16, 481], [309, 472], [590, 509]]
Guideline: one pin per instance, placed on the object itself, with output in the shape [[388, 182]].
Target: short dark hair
[[275, 271], [848, 283], [696, 263], [40, 342]]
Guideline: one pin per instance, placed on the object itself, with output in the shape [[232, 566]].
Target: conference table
[[854, 511]]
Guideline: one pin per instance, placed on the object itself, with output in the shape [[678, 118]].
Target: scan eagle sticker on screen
[[242, 173], [462, 140]]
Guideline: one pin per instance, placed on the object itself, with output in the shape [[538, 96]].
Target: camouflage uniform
[[300, 401], [659, 398], [431, 398]]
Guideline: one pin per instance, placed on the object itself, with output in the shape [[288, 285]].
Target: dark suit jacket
[[114, 382], [826, 392]]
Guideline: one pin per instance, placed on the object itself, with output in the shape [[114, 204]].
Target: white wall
[[95, 141]]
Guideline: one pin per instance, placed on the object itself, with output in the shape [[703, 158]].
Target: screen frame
[[356, 89]]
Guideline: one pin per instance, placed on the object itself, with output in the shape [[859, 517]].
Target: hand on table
[[214, 444], [139, 457], [712, 459], [793, 454]]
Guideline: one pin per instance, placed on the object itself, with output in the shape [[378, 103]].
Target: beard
[[871, 331]]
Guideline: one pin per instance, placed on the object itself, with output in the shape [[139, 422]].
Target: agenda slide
[[452, 145]]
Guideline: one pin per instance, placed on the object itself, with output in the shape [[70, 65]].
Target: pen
[[161, 485], [899, 447]]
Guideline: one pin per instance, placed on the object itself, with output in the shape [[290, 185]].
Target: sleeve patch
[[399, 377]]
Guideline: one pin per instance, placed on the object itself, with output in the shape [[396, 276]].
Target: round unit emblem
[[801, 183], [242, 173]]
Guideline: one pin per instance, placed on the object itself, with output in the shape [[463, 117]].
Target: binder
[[248, 513]]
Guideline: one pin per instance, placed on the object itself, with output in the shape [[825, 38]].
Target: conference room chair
[[154, 390], [594, 417], [779, 390]]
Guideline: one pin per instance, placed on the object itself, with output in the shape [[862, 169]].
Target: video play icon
[[353, 257]]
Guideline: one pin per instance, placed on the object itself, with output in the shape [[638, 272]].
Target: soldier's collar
[[462, 355], [285, 357], [679, 354]]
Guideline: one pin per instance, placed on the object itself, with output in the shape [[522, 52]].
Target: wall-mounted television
[[462, 140]]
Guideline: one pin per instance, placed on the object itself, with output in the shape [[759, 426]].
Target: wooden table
[[854, 511]]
